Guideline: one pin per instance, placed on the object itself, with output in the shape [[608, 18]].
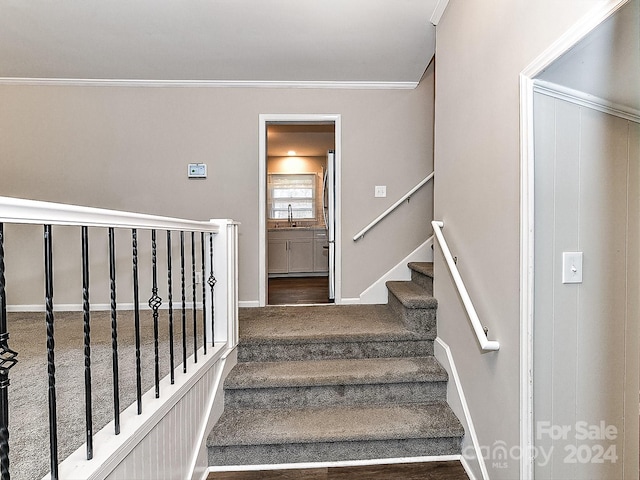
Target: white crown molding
[[586, 100], [438, 11], [90, 82]]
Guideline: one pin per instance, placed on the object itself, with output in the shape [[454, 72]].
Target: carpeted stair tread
[[425, 268], [335, 424], [411, 295], [335, 372], [321, 324]]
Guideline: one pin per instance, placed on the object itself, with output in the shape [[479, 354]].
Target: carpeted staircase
[[331, 383]]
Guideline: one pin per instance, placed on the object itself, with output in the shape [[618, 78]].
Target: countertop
[[285, 229]]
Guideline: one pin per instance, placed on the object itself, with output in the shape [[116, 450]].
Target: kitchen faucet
[[290, 214]]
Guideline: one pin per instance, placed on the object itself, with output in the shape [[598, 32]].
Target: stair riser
[[419, 320], [377, 394], [334, 451], [271, 352], [424, 281], [326, 351]]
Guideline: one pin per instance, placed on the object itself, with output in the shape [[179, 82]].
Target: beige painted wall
[[481, 49], [586, 335], [128, 149]]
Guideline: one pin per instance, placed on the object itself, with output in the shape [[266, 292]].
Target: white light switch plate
[[381, 191], [571, 267]]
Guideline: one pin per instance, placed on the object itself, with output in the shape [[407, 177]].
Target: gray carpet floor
[[28, 392]]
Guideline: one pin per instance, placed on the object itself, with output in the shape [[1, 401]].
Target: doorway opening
[[299, 210], [566, 134]]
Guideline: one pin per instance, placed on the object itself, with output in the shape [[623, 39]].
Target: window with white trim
[[297, 190]]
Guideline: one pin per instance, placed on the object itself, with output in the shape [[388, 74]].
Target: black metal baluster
[[193, 285], [154, 302], [114, 330], [51, 368], [87, 342], [212, 283], [7, 360], [136, 317], [204, 296], [170, 295], [184, 313]]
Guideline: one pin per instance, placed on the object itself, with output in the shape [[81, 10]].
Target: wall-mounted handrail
[[406, 196], [486, 344]]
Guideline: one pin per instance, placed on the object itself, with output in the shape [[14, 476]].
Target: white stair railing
[[480, 331], [214, 314]]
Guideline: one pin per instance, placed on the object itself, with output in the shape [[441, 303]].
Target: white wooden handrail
[[486, 344], [407, 196], [18, 210]]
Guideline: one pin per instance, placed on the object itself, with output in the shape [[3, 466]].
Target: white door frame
[[262, 192], [527, 82]]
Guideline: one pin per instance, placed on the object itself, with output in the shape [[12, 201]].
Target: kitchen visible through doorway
[[299, 214]]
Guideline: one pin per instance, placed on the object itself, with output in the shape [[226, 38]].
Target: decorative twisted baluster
[[184, 312], [136, 317], [114, 331], [154, 302], [7, 360], [170, 296], [212, 283], [51, 368], [193, 285], [204, 296], [86, 311]]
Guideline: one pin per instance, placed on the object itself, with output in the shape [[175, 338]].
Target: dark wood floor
[[403, 471], [298, 290]]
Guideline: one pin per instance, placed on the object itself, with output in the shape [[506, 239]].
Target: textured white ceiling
[[217, 40]]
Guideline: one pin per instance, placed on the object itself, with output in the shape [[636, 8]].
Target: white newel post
[[225, 267]]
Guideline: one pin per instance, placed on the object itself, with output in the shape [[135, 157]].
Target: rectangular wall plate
[[197, 170], [571, 267], [380, 191]]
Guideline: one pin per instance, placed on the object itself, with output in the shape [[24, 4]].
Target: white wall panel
[[586, 335], [168, 449]]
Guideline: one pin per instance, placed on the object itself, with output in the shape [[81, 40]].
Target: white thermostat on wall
[[197, 170]]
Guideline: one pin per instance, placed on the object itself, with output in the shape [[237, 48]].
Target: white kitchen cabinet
[[278, 255], [297, 251], [300, 255]]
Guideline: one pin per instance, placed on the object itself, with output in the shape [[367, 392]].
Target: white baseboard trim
[[344, 463], [457, 401], [248, 303], [95, 307], [350, 301], [467, 468], [377, 292]]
